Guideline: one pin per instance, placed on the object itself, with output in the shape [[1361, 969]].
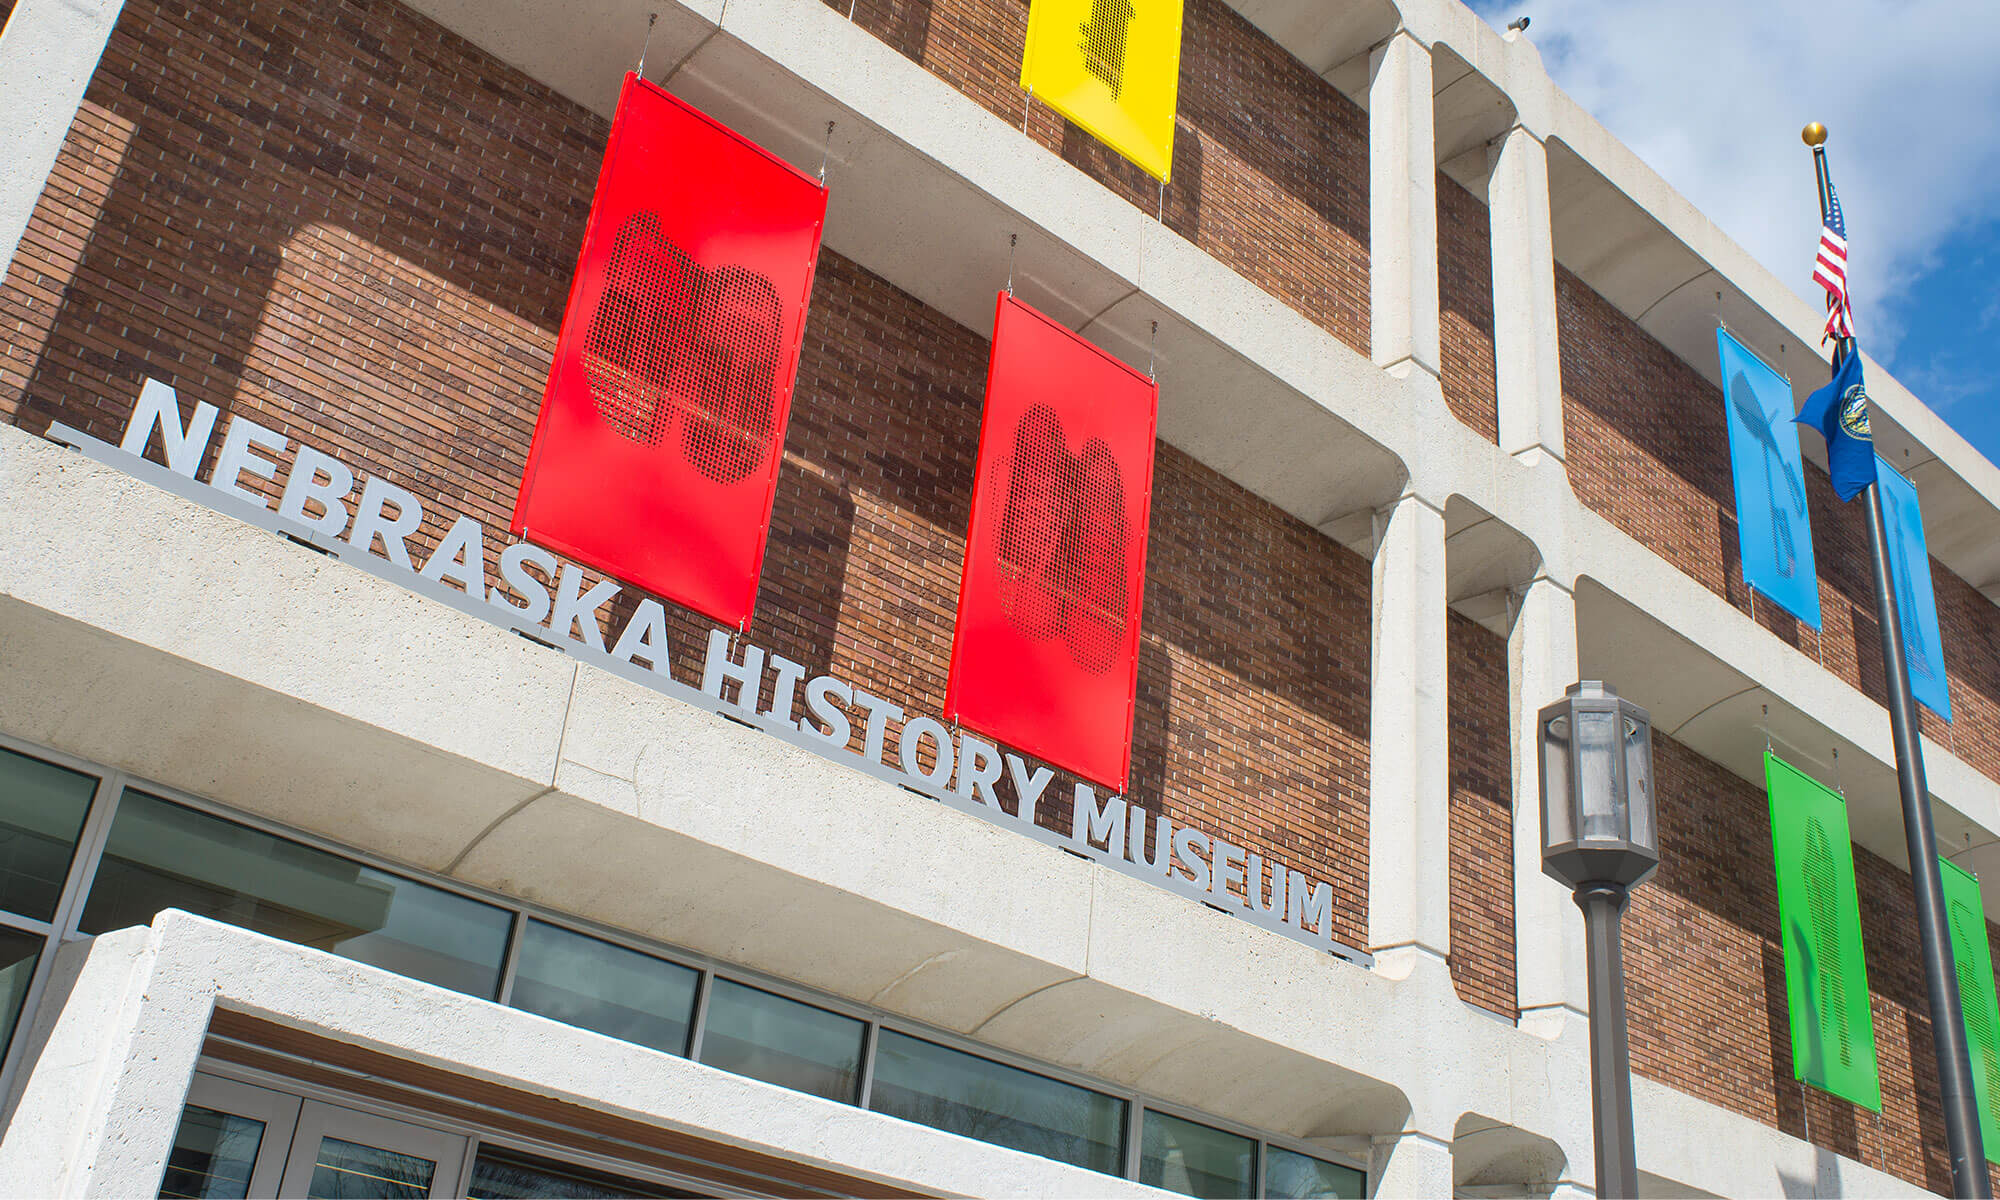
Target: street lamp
[[1600, 839]]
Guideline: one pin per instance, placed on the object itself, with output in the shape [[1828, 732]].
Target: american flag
[[1830, 269]]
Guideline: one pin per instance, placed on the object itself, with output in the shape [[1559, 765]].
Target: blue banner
[[1916, 605], [1773, 530]]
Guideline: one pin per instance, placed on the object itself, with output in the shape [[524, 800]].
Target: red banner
[[1045, 656], [656, 455]]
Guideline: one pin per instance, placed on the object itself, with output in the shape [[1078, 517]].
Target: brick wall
[[1706, 984], [353, 227], [1649, 450], [1270, 170], [1465, 307], [1482, 818]]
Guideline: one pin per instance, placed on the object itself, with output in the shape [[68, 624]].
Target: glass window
[[352, 1171], [18, 954], [162, 855], [768, 1037], [511, 1175], [590, 982], [42, 807], [1289, 1175], [951, 1090], [1195, 1160], [212, 1156]]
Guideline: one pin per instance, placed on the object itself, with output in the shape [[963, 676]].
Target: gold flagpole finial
[[1813, 135]]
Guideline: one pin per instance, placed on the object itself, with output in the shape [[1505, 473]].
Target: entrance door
[[237, 1140]]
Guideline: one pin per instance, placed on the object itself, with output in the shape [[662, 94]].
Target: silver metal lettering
[[235, 459], [716, 669], [579, 612], [369, 523], [1162, 857], [978, 770], [460, 554], [1190, 847], [184, 445], [1091, 821], [1028, 787], [912, 740], [824, 697], [1315, 905], [514, 561], [1228, 862], [1260, 902], [302, 487], [645, 636], [785, 688], [880, 713]]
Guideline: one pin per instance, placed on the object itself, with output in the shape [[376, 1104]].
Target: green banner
[[1976, 1000], [1819, 919]]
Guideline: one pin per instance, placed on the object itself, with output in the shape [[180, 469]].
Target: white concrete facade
[[563, 784]]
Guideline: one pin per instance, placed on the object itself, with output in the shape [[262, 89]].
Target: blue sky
[[1712, 93]]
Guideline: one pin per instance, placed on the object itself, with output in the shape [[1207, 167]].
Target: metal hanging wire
[[652, 19], [1013, 240], [1152, 346]]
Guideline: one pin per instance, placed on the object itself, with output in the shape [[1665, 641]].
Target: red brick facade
[[1482, 818], [399, 309], [1465, 308], [1270, 171], [1648, 449], [1706, 978], [358, 229]]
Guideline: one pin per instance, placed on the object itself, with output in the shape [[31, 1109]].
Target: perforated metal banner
[[1114, 68], [1773, 524], [1972, 955], [1045, 655], [656, 455], [1819, 924], [1916, 603]]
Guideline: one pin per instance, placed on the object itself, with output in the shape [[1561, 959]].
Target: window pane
[[352, 1171], [162, 855], [18, 954], [1195, 1160], [511, 1175], [590, 982], [781, 1041], [963, 1093], [212, 1155], [42, 807], [1292, 1176]]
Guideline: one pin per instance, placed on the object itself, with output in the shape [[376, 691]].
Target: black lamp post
[[1599, 838]]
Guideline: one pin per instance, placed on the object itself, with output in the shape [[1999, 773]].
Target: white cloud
[[1712, 94]]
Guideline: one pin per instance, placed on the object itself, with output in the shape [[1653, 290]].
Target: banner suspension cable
[[652, 19]]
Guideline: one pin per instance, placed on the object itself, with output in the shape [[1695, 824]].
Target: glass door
[[237, 1141], [341, 1154]]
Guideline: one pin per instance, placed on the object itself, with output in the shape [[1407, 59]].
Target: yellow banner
[[1113, 67]]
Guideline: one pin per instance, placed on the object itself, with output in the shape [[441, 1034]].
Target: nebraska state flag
[[1113, 67]]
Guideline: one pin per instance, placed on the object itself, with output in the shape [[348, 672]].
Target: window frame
[[113, 783]]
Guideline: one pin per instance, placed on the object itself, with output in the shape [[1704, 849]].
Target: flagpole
[[1961, 1108]]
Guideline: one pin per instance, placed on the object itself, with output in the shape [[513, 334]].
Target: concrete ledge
[[98, 1114]]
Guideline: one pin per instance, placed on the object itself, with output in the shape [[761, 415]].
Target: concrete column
[[1409, 1164], [48, 52], [1402, 207], [1527, 365], [1548, 928], [1409, 900]]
